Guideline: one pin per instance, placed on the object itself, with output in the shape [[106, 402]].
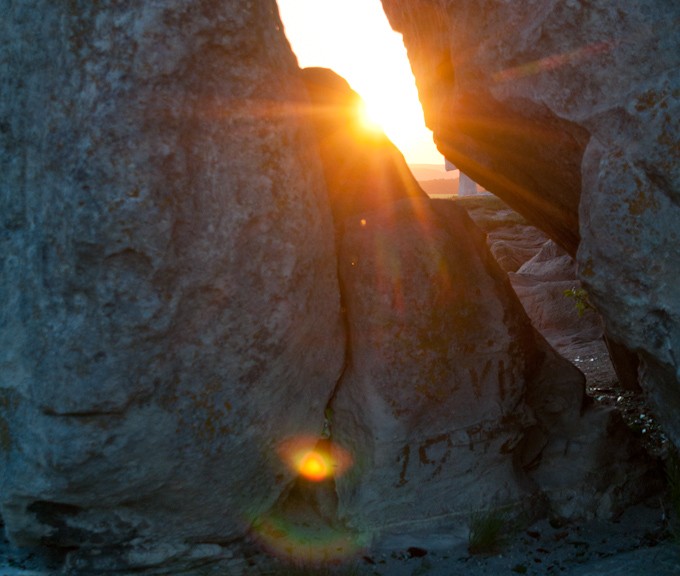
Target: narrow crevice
[[348, 338]]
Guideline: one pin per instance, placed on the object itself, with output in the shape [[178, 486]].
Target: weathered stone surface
[[441, 355], [431, 405], [541, 285], [171, 311], [539, 271], [447, 383], [594, 467], [451, 402], [170, 306], [544, 272], [567, 110], [512, 240]]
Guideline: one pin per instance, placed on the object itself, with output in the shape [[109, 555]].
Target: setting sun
[[354, 39], [402, 126], [369, 119]]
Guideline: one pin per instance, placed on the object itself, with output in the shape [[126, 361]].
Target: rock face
[[171, 318], [542, 285], [170, 304], [567, 111], [511, 239], [541, 273], [445, 373], [450, 397]]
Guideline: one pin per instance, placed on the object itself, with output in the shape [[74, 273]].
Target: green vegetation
[[580, 296], [489, 532]]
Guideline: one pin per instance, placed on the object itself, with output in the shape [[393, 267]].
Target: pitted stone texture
[[568, 111], [170, 307]]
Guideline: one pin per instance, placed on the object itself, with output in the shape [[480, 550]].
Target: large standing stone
[[446, 380], [170, 306], [445, 373], [568, 111]]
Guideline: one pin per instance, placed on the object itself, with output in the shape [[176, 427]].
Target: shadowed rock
[[170, 305], [171, 312], [445, 373], [567, 111]]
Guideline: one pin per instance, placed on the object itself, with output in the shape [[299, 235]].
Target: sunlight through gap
[[354, 39]]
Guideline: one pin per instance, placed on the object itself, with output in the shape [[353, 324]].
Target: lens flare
[[314, 466], [294, 530], [316, 544], [553, 62], [314, 459]]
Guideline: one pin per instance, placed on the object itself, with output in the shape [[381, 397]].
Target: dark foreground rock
[[170, 306]]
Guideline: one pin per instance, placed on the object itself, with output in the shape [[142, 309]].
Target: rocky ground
[[632, 545]]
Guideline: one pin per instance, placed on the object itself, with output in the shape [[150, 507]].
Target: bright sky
[[354, 38]]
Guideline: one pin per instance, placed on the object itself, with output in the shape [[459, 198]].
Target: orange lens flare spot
[[314, 466], [314, 459]]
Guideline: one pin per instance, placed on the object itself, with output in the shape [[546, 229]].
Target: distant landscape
[[435, 180], [440, 187], [432, 172]]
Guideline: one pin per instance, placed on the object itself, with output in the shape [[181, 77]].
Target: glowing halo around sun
[[400, 119], [368, 120], [313, 459]]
